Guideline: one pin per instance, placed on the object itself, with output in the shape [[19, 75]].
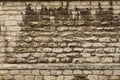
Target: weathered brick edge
[[85, 66]]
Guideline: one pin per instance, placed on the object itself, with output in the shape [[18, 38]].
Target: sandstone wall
[[58, 51]]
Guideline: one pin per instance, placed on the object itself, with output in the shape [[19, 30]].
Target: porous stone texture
[[55, 40]]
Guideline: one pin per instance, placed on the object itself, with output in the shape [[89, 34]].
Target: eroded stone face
[[70, 33], [55, 40]]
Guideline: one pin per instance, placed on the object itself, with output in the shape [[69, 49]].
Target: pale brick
[[93, 59], [14, 72], [85, 54], [29, 77], [7, 77], [38, 78], [87, 45], [49, 78], [47, 49], [87, 72], [98, 45], [115, 77], [78, 49], [107, 60], [103, 78], [105, 39], [97, 72], [92, 77], [68, 77], [45, 72], [58, 50], [4, 72], [67, 72], [60, 78], [25, 72], [18, 77], [67, 49], [77, 72], [116, 72], [56, 72], [35, 72], [10, 23], [112, 50], [108, 72]]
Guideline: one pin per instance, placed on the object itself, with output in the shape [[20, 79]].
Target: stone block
[[14, 72], [77, 72], [67, 49], [44, 72], [35, 72], [25, 72], [103, 77], [8, 77], [60, 78], [29, 77], [18, 77], [49, 78], [67, 72], [56, 72], [116, 72], [87, 72], [4, 72], [57, 50], [38, 78], [97, 72], [68, 77], [108, 72], [92, 77]]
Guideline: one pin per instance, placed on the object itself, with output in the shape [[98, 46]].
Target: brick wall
[[77, 44]]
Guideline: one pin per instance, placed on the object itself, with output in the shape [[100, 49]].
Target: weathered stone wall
[[58, 51]]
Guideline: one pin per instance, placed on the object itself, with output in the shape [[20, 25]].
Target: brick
[[49, 78], [25, 72], [35, 72], [92, 77], [93, 59], [77, 72], [105, 39], [60, 78], [78, 49], [116, 72], [56, 72], [45, 72], [67, 72], [115, 77], [18, 77], [87, 72], [67, 49], [10, 23], [109, 60], [112, 50], [47, 49], [14, 72], [97, 72], [87, 45], [7, 77], [58, 50], [4, 72], [108, 72], [29, 77], [103, 77], [68, 77], [38, 78]]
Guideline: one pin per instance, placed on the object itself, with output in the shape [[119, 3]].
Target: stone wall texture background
[[31, 50]]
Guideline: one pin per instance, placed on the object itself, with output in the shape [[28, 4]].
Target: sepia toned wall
[[84, 48]]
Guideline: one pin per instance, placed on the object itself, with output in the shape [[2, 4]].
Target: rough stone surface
[[60, 41]]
